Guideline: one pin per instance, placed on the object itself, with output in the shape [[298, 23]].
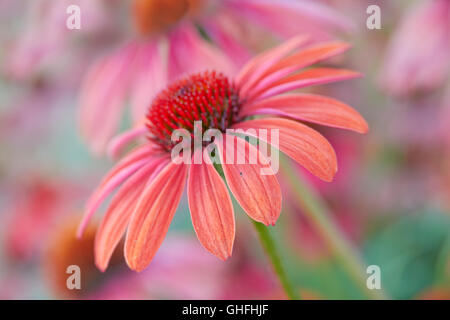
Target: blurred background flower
[[390, 197], [172, 38]]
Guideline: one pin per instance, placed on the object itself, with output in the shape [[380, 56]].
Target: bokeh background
[[390, 198]]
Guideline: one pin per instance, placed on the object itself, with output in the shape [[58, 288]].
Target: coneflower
[[152, 184]]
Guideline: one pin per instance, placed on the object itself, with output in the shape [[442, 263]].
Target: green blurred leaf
[[408, 252]]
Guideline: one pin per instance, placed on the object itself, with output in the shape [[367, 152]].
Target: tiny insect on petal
[[258, 194], [303, 144]]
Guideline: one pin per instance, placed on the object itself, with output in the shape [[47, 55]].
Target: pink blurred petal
[[117, 144], [224, 32], [149, 78], [185, 44], [45, 36], [102, 96], [418, 55], [287, 18]]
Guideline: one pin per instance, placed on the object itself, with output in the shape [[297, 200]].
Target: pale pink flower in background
[[418, 55], [44, 42], [168, 44], [43, 61]]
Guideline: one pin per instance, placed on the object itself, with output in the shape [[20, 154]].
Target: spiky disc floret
[[208, 97]]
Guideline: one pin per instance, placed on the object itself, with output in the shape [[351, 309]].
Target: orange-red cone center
[[155, 16], [208, 97]]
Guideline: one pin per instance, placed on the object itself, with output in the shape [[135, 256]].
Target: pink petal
[[306, 78], [102, 96], [304, 58], [153, 214], [262, 62], [290, 17], [311, 108], [418, 53], [303, 144], [115, 147], [101, 193], [185, 43], [211, 209], [150, 77], [117, 216], [225, 31], [139, 153], [259, 195], [114, 178]]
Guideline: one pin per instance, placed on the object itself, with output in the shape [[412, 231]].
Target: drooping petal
[[303, 144], [312, 108], [258, 194], [100, 195], [113, 179], [102, 96], [139, 153], [302, 59], [306, 78], [153, 214], [122, 205], [211, 209]]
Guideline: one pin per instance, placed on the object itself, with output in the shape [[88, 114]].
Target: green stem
[[317, 212], [269, 246]]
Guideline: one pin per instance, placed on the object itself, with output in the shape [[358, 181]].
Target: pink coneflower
[[43, 43], [153, 184], [170, 42]]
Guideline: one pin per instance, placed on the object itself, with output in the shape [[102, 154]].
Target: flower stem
[[317, 212], [269, 246]]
